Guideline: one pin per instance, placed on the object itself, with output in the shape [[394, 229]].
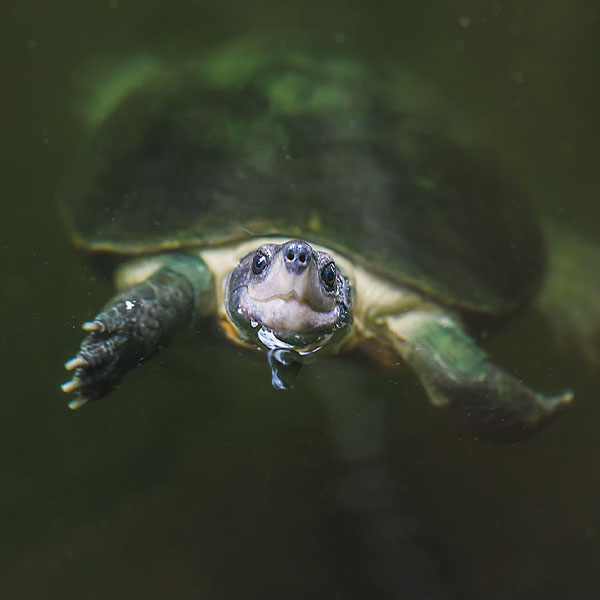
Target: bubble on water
[[270, 341]]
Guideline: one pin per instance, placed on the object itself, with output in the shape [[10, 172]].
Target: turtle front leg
[[456, 372], [137, 322]]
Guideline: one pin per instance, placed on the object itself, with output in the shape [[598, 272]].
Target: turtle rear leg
[[137, 322], [456, 372]]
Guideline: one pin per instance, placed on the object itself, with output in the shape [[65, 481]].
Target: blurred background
[[196, 478]]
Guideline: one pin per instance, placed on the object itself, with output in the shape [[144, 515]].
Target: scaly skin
[[134, 324]]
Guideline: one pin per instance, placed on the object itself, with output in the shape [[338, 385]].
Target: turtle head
[[288, 296]]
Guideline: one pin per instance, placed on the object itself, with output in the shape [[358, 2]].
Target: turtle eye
[[259, 263], [328, 275]]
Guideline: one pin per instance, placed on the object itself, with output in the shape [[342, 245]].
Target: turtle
[[310, 205]]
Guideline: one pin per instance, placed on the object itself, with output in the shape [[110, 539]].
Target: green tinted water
[[196, 478]]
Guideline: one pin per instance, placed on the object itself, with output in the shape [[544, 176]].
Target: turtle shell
[[254, 143]]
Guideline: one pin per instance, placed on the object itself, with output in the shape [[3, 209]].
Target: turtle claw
[[75, 363], [565, 398], [101, 360], [77, 402], [96, 326], [72, 385]]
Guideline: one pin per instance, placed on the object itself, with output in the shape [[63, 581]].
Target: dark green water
[[198, 479]]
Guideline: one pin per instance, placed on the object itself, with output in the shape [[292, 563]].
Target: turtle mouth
[[285, 313]]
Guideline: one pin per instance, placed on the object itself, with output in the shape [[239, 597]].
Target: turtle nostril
[[297, 255]]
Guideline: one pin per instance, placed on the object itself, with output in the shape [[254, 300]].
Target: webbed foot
[[101, 360], [135, 324], [457, 373]]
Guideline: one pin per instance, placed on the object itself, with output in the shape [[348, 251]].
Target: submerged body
[[297, 200]]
